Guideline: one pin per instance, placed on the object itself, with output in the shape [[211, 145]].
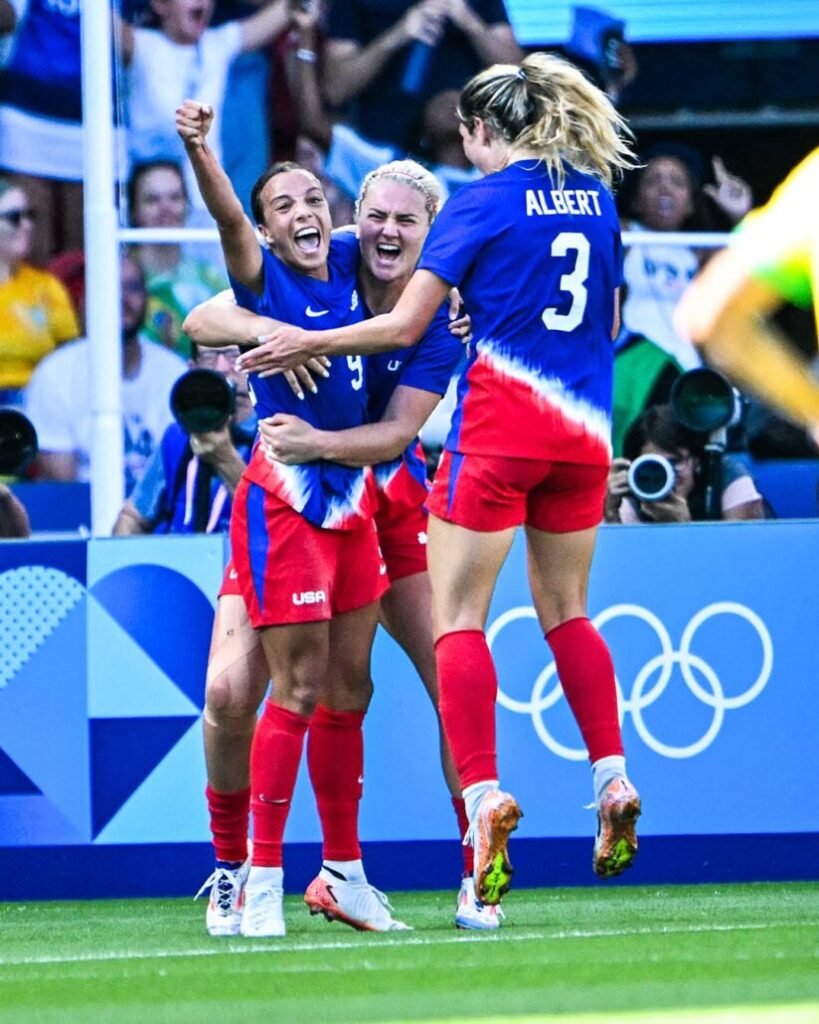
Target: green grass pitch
[[706, 954]]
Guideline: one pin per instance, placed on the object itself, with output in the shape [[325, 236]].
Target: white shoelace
[[226, 883]]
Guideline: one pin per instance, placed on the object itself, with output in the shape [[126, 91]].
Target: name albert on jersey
[[538, 380], [327, 494]]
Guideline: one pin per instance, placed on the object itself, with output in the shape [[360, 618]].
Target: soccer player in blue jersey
[[304, 544], [395, 208], [535, 248]]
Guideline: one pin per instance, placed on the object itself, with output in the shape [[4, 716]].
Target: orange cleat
[[497, 816], [615, 846]]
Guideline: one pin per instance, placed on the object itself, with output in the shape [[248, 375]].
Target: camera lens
[[704, 401], [18, 442], [202, 401], [651, 477]]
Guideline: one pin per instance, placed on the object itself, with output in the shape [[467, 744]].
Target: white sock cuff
[[606, 769], [266, 876], [475, 793], [351, 870]]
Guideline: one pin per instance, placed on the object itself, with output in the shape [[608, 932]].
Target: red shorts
[[290, 571], [230, 582], [402, 537], [491, 492]]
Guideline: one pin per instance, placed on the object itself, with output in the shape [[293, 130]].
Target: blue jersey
[[325, 493], [538, 266], [427, 365], [42, 76]]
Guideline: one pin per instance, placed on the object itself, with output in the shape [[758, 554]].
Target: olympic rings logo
[[643, 692]]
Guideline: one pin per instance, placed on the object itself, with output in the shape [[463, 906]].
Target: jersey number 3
[[573, 283]]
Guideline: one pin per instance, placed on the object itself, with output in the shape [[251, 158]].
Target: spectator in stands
[[657, 432], [245, 130], [41, 117], [668, 194], [350, 156], [36, 313], [189, 481], [59, 404], [177, 280], [372, 43], [184, 59], [69, 268]]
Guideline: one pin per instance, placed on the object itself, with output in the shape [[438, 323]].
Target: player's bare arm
[[239, 243]]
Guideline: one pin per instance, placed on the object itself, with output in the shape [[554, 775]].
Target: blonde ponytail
[[548, 106]]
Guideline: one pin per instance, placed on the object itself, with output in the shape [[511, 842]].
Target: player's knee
[[303, 698], [347, 688], [229, 703]]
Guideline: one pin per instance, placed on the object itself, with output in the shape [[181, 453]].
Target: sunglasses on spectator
[[16, 217]]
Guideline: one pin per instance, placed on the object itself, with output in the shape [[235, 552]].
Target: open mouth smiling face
[[297, 222], [392, 225], [186, 20]]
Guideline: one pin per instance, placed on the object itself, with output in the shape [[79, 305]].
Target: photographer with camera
[[662, 478], [190, 480]]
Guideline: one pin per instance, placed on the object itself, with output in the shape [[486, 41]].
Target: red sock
[[586, 674], [335, 760], [274, 764], [468, 689], [459, 804], [229, 814]]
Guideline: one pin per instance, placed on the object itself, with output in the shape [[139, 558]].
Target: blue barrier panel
[[54, 507], [103, 646]]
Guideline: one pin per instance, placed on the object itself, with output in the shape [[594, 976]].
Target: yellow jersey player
[[772, 258]]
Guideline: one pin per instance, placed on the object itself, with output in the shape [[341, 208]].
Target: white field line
[[801, 1013], [385, 942]]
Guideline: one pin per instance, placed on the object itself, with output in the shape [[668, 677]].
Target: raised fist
[[193, 122]]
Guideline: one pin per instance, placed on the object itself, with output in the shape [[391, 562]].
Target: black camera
[[704, 401], [18, 442], [203, 401]]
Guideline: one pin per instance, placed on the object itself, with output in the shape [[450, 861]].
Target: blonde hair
[[547, 105], [406, 172]]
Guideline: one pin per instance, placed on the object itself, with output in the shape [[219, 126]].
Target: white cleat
[[357, 904], [263, 915], [471, 913], [227, 893]]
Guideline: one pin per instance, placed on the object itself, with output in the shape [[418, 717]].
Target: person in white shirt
[[58, 397], [184, 59], [667, 194]]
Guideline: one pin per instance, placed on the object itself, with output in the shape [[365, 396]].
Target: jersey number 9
[[356, 364]]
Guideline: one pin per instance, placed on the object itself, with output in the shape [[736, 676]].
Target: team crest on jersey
[[354, 301], [394, 364]]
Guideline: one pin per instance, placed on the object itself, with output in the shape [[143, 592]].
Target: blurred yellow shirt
[[36, 316], [779, 242]]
